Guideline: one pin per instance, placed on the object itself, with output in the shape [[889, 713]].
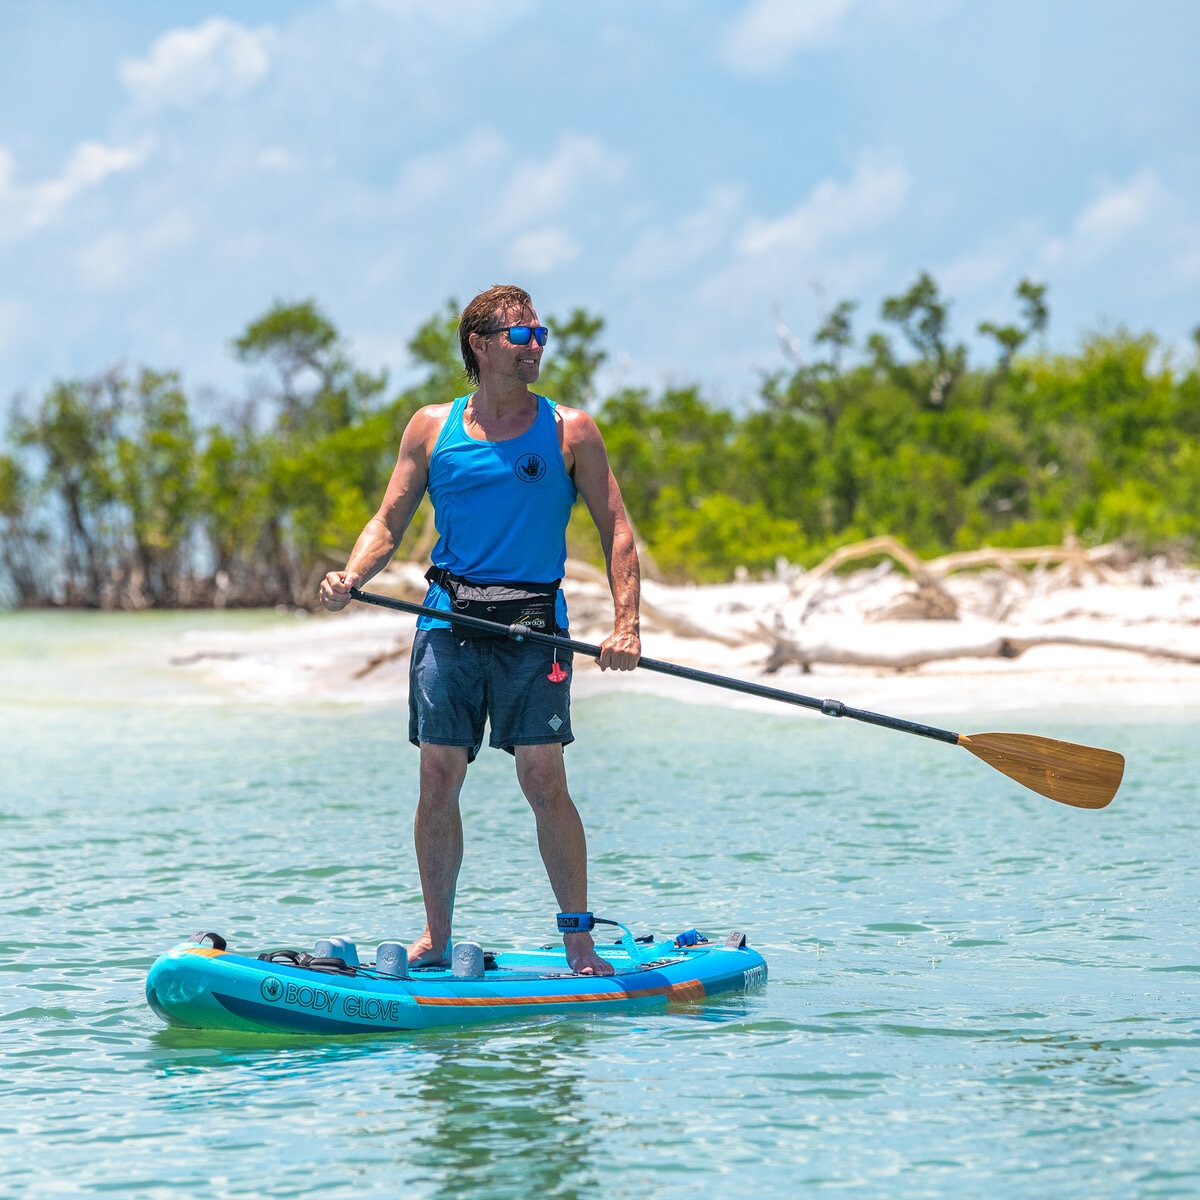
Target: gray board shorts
[[456, 685]]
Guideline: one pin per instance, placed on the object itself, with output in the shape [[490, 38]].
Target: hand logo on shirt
[[530, 468]]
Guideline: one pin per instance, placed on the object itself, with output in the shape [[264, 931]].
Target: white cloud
[[11, 320], [103, 262], [1119, 211], [773, 30], [826, 237], [664, 252], [25, 209], [109, 260], [542, 251], [1136, 240], [973, 272], [186, 66], [1110, 219], [90, 164], [462, 14], [1187, 262], [538, 190], [994, 263], [432, 178], [833, 210], [276, 158]]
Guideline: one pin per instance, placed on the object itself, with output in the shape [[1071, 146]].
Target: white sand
[[360, 656]]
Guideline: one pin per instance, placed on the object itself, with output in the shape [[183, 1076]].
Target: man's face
[[522, 363]]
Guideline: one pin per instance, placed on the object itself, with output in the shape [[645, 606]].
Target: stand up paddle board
[[202, 984]]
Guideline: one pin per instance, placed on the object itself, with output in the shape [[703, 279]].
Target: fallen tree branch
[[402, 649], [934, 571], [885, 544], [931, 600], [785, 652]]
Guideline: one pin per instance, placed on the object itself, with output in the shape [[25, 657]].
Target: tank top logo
[[530, 468]]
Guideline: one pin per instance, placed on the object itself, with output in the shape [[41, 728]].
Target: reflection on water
[[496, 1112], [505, 1116]]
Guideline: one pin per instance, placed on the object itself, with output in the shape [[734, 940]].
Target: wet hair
[[484, 312]]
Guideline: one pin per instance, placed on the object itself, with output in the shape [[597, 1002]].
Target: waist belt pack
[[530, 604]]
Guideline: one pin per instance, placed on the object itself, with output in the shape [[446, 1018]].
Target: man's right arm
[[382, 533]]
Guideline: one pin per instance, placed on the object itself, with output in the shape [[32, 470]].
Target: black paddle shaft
[[522, 633]]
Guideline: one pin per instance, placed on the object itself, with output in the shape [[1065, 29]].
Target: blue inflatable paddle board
[[202, 984]]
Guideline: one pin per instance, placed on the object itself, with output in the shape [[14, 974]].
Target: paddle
[[1081, 776]]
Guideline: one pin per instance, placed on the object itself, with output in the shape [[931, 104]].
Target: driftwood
[[785, 652], [1069, 554], [189, 660], [886, 544], [401, 649], [931, 600]]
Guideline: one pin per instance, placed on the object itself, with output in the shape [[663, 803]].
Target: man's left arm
[[602, 495]]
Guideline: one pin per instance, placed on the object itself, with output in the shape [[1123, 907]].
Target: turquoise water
[[974, 990]]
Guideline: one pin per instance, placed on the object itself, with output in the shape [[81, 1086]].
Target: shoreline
[[360, 656]]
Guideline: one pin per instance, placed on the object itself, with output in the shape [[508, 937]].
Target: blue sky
[[697, 173]]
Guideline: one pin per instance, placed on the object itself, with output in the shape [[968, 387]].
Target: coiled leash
[[642, 952]]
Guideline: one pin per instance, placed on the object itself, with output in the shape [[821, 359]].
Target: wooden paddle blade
[[1078, 775]]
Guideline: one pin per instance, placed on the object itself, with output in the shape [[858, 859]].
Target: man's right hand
[[620, 651], [335, 589]]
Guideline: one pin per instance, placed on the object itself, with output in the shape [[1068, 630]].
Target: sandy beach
[[1123, 638]]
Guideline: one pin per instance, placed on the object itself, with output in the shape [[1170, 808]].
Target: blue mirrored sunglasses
[[519, 335]]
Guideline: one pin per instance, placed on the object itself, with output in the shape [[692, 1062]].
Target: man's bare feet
[[422, 954], [582, 957]]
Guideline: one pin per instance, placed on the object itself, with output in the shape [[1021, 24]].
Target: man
[[502, 466]]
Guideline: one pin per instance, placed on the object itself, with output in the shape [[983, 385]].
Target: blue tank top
[[501, 508]]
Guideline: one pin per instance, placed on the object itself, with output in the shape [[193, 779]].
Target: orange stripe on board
[[692, 989], [204, 951]]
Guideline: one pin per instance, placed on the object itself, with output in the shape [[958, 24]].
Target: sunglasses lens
[[540, 332], [519, 335]]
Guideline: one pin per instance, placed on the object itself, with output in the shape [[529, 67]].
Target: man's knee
[[542, 775], [443, 769]]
